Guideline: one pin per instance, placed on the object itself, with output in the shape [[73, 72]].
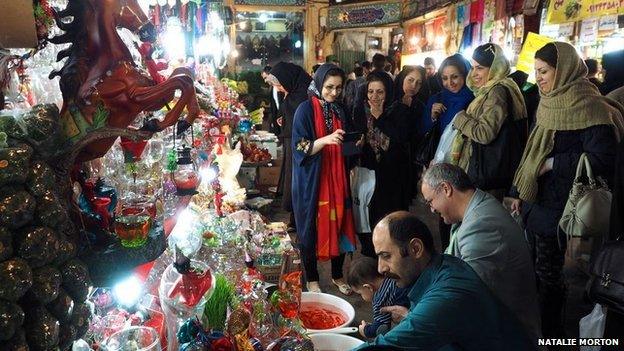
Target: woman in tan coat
[[490, 138]]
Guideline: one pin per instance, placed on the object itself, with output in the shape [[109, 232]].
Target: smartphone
[[351, 137]]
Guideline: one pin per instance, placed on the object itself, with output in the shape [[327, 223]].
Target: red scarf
[[333, 217]]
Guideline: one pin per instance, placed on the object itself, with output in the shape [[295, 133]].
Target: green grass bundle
[[215, 310]]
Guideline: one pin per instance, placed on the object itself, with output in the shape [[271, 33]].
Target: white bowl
[[327, 299], [338, 342]]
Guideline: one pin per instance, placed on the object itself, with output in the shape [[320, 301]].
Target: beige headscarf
[[499, 73], [574, 103]]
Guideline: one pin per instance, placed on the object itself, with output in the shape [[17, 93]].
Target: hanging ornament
[[186, 176]]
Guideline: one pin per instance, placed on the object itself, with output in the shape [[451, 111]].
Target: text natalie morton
[[578, 342]]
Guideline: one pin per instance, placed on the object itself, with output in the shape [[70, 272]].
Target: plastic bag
[[593, 326], [443, 152], [362, 189]]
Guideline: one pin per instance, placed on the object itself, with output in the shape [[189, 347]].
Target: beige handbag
[[588, 208]]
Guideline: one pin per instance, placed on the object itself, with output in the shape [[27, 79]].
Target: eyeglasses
[[435, 193]]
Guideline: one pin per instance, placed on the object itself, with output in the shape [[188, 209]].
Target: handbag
[[606, 282], [589, 204], [426, 149]]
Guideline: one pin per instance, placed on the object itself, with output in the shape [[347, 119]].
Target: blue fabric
[[389, 294], [454, 102], [305, 176], [452, 309], [306, 173]]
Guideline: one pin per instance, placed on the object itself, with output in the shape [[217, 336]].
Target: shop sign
[[561, 11], [271, 2], [364, 15], [418, 8], [608, 23], [566, 29], [589, 31], [526, 58]]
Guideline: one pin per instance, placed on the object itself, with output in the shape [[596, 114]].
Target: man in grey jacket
[[487, 238]]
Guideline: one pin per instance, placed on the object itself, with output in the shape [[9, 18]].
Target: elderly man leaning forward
[[486, 237], [450, 307]]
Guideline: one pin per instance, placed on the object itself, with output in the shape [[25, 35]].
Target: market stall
[[123, 225]]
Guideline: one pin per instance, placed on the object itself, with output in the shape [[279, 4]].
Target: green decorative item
[[14, 164], [172, 160], [215, 309], [100, 117]]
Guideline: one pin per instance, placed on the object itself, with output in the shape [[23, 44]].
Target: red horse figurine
[[101, 84]]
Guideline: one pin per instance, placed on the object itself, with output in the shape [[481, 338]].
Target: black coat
[[392, 184], [599, 142], [296, 82], [617, 206]]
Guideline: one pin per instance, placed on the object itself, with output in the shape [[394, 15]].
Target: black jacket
[[296, 82], [617, 205], [599, 142]]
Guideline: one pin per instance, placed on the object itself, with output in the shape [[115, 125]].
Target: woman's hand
[[516, 206], [376, 108], [334, 138], [407, 100], [547, 166], [436, 110]]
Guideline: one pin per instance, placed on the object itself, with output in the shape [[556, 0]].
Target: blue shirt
[[389, 294], [452, 310]]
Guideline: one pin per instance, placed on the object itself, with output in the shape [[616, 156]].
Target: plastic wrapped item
[[133, 339], [174, 305]]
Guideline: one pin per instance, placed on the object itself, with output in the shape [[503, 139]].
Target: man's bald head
[[404, 226]]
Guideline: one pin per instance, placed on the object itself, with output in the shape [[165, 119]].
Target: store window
[[267, 37]]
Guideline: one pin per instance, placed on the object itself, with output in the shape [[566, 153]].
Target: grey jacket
[[493, 244]]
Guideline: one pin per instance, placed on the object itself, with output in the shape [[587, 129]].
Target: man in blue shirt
[[451, 308]]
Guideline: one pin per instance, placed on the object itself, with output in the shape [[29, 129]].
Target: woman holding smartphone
[[321, 192], [385, 150]]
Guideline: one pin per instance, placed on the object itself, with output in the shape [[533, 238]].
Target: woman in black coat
[[408, 86], [385, 150], [293, 81], [572, 118]]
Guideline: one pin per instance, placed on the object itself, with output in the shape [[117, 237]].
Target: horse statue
[[102, 86]]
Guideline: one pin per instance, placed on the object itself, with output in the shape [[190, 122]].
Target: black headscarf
[[315, 89], [295, 81], [388, 84], [484, 54], [400, 78], [613, 63]]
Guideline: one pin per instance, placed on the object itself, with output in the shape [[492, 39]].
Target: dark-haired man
[[451, 308]]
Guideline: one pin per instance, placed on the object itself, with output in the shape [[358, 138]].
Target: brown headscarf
[[574, 103]]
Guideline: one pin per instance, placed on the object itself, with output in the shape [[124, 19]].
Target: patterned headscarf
[[314, 90]]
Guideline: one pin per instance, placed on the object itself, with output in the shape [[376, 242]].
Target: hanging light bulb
[[184, 2], [162, 2], [173, 41], [172, 3]]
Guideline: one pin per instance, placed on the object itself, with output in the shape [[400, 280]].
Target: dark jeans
[[549, 255], [366, 244], [311, 269]]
